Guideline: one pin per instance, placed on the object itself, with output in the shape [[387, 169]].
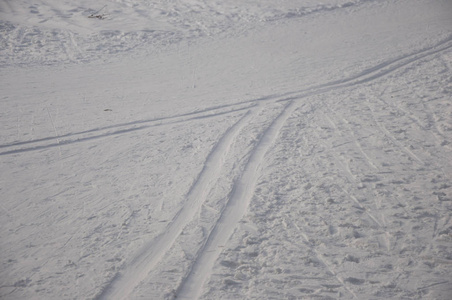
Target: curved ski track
[[123, 284], [118, 129], [367, 75], [234, 211]]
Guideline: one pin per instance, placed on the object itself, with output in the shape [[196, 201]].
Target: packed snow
[[255, 149]]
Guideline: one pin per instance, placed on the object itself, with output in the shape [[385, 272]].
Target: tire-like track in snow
[[137, 270], [234, 211]]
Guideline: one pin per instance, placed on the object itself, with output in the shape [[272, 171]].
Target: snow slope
[[226, 149]]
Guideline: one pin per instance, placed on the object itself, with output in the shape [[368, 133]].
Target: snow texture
[[256, 149]]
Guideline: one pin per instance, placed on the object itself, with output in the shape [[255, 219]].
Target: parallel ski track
[[124, 282], [372, 73], [119, 129], [367, 75], [234, 211], [138, 269]]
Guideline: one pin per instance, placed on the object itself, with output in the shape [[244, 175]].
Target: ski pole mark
[[394, 140], [323, 260]]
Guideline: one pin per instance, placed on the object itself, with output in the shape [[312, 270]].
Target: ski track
[[234, 211], [92, 134], [368, 75], [373, 73], [124, 282]]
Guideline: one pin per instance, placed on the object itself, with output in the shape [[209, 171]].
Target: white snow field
[[254, 149]]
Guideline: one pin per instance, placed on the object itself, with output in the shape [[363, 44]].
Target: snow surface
[[255, 149]]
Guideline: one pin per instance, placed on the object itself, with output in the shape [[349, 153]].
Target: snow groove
[[371, 73], [97, 133], [234, 211], [124, 282]]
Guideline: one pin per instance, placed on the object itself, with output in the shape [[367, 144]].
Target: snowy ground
[[226, 149]]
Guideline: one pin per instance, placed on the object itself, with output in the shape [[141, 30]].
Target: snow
[[226, 149]]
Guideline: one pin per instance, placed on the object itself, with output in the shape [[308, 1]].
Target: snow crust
[[197, 149]]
